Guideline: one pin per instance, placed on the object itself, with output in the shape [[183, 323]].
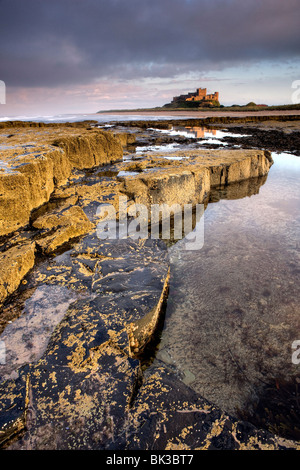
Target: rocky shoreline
[[92, 387]]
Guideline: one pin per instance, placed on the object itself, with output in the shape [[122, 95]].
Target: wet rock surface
[[273, 140], [88, 374], [169, 415], [89, 383]]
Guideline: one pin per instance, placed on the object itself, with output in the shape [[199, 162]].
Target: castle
[[199, 95]]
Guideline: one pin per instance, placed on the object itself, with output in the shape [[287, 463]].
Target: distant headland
[[200, 100]]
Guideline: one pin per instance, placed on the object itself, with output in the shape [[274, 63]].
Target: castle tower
[[201, 93]]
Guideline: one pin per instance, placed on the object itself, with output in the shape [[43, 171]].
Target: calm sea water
[[101, 118], [233, 310]]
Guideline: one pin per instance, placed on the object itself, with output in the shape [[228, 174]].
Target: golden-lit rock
[[93, 149], [14, 265], [188, 176], [63, 225], [36, 162]]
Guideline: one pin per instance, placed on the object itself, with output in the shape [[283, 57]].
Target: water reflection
[[201, 135], [199, 132], [238, 190], [26, 337], [233, 309]]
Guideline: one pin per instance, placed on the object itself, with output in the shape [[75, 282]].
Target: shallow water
[[25, 339], [201, 133], [101, 118], [157, 148], [233, 307], [127, 173]]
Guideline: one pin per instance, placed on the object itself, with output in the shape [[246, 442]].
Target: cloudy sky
[[77, 56]]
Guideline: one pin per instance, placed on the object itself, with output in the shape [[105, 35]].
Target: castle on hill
[[199, 95]]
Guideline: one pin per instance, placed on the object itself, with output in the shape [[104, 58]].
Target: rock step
[[33, 171]]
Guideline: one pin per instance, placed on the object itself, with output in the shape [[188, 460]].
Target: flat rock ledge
[[37, 166], [34, 163], [89, 389], [94, 386], [187, 177]]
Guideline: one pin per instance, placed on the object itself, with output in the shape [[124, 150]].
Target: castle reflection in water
[[201, 132]]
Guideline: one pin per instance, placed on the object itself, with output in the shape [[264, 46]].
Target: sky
[[84, 56]]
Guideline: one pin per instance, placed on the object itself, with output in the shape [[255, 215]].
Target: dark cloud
[[50, 43]]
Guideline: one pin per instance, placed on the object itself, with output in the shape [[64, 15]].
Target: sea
[[100, 117]]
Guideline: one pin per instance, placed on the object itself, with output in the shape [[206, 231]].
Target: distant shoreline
[[204, 114]]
